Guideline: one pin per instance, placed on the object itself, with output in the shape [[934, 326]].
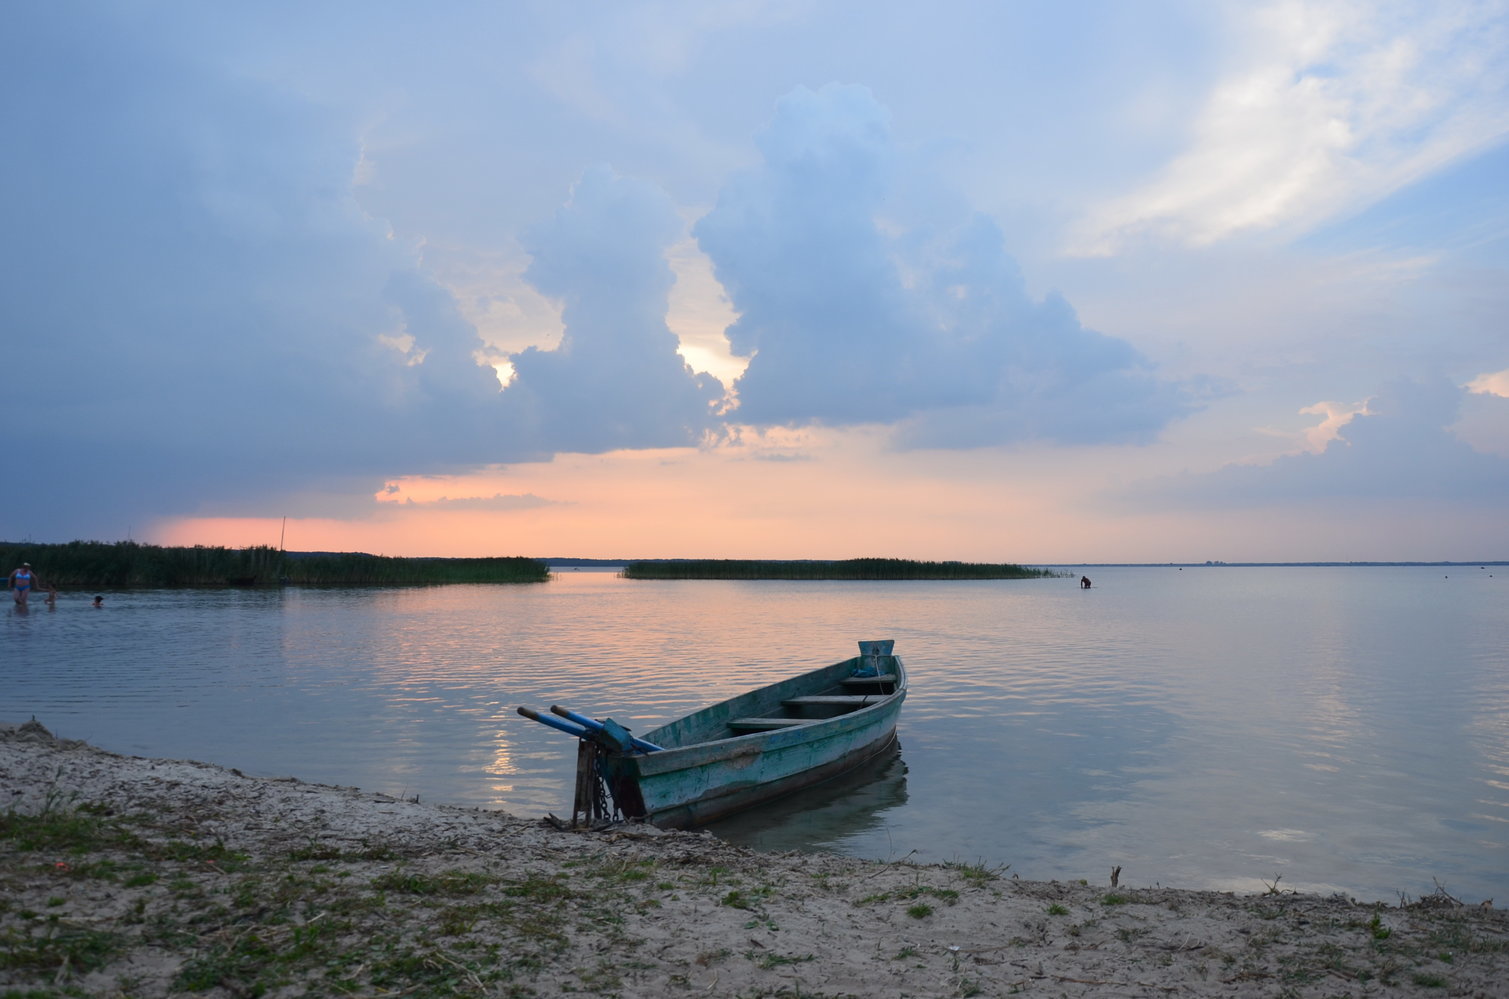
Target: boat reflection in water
[[823, 816]]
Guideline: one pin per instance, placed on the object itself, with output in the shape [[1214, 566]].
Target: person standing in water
[[21, 582]]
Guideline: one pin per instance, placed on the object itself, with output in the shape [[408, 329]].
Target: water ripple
[[1211, 727]]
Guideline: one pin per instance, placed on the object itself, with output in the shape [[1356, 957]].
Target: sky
[[1089, 281]]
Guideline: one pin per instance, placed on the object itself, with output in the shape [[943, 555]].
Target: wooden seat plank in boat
[[859, 681], [765, 724], [833, 700]]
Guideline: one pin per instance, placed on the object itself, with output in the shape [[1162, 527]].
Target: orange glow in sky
[[807, 495]]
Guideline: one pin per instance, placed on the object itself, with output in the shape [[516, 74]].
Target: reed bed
[[354, 569], [854, 568], [126, 564]]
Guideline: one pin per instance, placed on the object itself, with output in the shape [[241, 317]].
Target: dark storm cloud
[[616, 379], [203, 320], [848, 320], [1401, 449], [197, 299]]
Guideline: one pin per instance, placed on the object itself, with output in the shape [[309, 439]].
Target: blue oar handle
[[597, 726], [555, 723]]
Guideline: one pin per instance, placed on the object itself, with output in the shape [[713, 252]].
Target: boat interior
[[851, 685], [850, 694]]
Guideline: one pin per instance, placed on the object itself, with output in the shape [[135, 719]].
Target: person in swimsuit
[[21, 581]]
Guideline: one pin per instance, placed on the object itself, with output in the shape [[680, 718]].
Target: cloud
[[1028, 370], [1335, 415], [1399, 448], [208, 322], [1485, 421], [207, 318], [797, 248], [848, 317], [1335, 106], [232, 268], [616, 379], [495, 502], [1491, 383], [781, 457]]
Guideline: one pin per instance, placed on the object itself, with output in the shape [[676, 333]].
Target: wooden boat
[[743, 751]]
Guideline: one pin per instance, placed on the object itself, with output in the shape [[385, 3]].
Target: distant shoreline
[[1268, 565], [128, 564], [620, 563], [822, 569]]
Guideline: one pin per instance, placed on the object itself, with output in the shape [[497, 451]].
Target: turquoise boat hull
[[762, 744]]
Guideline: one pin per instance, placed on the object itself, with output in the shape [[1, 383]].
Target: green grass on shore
[[854, 568], [123, 564]]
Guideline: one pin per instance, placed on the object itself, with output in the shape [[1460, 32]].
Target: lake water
[[1345, 728]]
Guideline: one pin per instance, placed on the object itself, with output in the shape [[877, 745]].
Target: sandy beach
[[125, 877]]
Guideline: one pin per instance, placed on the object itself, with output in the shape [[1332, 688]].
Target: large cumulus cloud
[[847, 317], [616, 379]]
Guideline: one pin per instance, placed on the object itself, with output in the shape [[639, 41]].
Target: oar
[[555, 723], [597, 726]]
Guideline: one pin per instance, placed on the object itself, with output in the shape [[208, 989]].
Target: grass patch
[[945, 895], [446, 883], [61, 828], [978, 873], [624, 871], [767, 960], [540, 889], [53, 945]]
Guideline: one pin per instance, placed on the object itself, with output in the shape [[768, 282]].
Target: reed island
[[125, 564], [854, 568]]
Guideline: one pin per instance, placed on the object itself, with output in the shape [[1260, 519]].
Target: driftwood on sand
[[122, 876]]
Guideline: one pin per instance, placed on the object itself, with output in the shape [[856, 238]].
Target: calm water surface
[[1346, 728]]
